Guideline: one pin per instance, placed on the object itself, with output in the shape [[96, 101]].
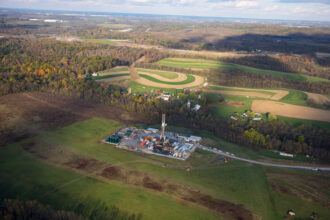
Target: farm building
[[287, 154]]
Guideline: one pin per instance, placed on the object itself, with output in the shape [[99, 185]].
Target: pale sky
[[264, 9]]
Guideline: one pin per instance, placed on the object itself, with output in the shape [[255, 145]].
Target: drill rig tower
[[162, 136]]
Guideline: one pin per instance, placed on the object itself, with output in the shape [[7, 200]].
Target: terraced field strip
[[183, 79], [318, 98], [201, 64], [291, 111], [165, 74], [262, 93], [191, 81]]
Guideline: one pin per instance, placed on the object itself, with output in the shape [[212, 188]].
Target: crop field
[[158, 79], [189, 79], [69, 164], [165, 74], [210, 64], [292, 111], [293, 105]]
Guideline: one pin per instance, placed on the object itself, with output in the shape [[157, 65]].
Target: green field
[[210, 64], [165, 74], [110, 76], [189, 79], [27, 177], [223, 110], [295, 97]]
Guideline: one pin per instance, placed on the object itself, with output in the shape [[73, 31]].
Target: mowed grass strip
[[110, 76], [165, 74], [210, 64], [189, 79]]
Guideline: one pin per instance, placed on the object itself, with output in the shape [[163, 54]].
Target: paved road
[[326, 169]]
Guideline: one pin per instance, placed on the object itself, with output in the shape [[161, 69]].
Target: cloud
[[306, 1], [246, 4]]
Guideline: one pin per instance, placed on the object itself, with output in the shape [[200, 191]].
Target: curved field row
[[291, 111], [189, 79], [159, 84], [178, 78], [200, 64], [165, 74], [277, 94], [318, 98]]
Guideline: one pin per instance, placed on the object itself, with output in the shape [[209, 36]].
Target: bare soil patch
[[113, 173], [228, 209], [291, 111], [318, 98], [151, 184], [87, 164], [235, 103]]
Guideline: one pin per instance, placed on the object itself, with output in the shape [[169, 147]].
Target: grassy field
[[25, 176], [210, 64], [225, 110], [165, 74], [295, 97], [110, 76], [189, 79]]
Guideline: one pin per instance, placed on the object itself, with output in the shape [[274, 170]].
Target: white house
[[196, 107], [286, 154]]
